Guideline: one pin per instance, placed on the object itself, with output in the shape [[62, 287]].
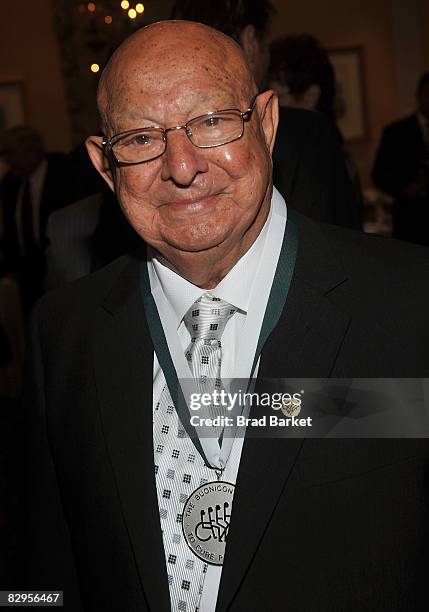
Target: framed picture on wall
[[348, 63], [12, 105]]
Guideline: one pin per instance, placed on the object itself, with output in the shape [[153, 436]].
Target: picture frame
[[351, 100], [12, 103]]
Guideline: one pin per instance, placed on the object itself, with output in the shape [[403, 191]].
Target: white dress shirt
[[243, 287]]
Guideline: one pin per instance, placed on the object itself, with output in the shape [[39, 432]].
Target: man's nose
[[182, 161]]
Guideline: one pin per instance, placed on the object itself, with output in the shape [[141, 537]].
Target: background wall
[[373, 25], [425, 33], [29, 50], [394, 34]]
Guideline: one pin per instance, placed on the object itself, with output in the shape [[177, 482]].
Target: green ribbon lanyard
[[276, 302]]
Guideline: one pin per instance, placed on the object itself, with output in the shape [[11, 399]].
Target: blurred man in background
[[32, 188], [303, 76], [401, 169]]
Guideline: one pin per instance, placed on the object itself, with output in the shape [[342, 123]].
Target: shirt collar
[[234, 288]]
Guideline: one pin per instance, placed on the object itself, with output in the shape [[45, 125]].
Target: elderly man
[[144, 513]]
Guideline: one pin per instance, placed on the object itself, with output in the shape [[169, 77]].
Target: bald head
[[203, 193], [168, 51]]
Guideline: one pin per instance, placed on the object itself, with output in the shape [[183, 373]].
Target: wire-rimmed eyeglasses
[[205, 131]]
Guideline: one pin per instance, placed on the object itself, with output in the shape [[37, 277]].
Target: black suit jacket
[[310, 169], [326, 525]]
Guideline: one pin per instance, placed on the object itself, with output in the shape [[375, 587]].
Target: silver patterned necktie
[[206, 321], [179, 468]]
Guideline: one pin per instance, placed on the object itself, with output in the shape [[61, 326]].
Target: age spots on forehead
[[168, 52]]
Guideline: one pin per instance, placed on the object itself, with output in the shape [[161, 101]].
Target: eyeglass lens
[[207, 131]]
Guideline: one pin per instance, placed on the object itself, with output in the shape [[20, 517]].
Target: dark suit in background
[[310, 169], [69, 235], [400, 162], [323, 525], [84, 237], [30, 269]]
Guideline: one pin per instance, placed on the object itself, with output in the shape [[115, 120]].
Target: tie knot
[[207, 317]]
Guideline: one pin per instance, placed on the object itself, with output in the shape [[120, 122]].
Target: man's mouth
[[194, 204]]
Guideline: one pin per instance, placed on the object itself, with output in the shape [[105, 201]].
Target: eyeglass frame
[[108, 146]]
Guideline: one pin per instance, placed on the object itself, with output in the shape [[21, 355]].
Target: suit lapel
[[305, 343], [308, 336], [123, 356]]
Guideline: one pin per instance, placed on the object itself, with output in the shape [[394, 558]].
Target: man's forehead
[[158, 73], [179, 103], [167, 61], [169, 100]]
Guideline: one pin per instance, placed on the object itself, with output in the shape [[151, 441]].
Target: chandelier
[[108, 20]]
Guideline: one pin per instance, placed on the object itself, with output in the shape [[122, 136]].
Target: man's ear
[[267, 105], [99, 159]]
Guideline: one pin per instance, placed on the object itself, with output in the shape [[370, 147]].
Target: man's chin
[[195, 246], [197, 239]]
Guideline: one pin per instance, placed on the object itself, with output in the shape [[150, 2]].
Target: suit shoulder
[[84, 294], [65, 217], [299, 119], [395, 262], [363, 256]]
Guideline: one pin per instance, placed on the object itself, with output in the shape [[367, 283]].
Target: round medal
[[205, 521]]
